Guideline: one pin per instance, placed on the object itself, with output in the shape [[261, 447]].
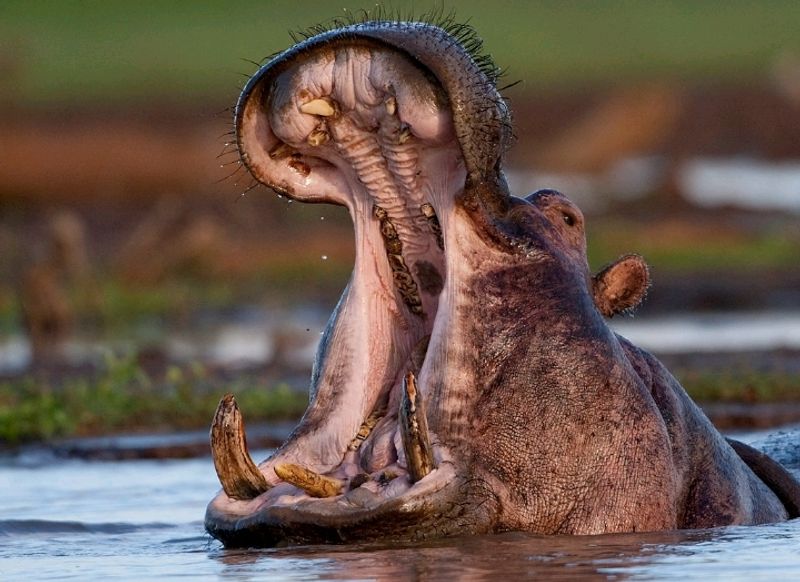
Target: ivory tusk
[[239, 476], [414, 431], [314, 484]]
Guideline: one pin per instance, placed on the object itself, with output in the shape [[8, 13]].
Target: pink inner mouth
[[364, 127]]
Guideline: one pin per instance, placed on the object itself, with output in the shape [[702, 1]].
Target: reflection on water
[[727, 553], [137, 520]]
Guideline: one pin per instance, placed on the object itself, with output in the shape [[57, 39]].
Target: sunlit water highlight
[[137, 520], [714, 332]]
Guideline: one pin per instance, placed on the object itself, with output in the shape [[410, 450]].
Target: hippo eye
[[568, 218]]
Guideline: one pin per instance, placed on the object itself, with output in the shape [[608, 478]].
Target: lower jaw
[[398, 510], [407, 477]]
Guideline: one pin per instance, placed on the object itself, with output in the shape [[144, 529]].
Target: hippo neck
[[509, 300]]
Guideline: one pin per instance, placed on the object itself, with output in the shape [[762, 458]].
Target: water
[[714, 332], [139, 520], [747, 183]]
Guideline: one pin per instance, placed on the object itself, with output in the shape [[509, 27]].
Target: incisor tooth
[[314, 484], [321, 107], [414, 431], [239, 476]]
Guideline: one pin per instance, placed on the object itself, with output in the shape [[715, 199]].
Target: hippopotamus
[[467, 381]]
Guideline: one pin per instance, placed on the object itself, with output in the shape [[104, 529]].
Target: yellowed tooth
[[391, 105], [282, 150], [239, 476], [404, 135], [365, 429], [414, 431], [314, 484], [433, 221], [318, 137], [322, 106]]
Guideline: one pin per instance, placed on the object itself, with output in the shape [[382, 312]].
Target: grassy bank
[[680, 245], [741, 386], [123, 397]]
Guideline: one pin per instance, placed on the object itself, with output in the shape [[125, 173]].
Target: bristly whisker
[[240, 168]]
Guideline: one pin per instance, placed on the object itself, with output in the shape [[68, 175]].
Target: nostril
[[542, 193]]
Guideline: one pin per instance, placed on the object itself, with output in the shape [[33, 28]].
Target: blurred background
[[138, 281]]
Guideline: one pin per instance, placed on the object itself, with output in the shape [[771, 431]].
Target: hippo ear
[[621, 286]]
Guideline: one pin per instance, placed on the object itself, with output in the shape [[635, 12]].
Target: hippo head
[[448, 393]]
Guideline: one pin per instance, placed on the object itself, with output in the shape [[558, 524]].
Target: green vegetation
[[741, 386], [9, 311], [693, 249], [123, 397], [83, 52], [117, 305]]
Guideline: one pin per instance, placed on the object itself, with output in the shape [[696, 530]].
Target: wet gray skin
[[539, 418]]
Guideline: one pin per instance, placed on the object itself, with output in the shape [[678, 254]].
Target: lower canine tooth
[[314, 484], [239, 476], [414, 431]]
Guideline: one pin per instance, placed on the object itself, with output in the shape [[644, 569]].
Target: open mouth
[[351, 121]]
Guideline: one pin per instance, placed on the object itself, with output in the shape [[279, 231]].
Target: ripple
[[15, 527]]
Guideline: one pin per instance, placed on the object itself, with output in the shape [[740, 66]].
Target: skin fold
[[467, 381]]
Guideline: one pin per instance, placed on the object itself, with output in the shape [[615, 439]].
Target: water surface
[[136, 520]]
